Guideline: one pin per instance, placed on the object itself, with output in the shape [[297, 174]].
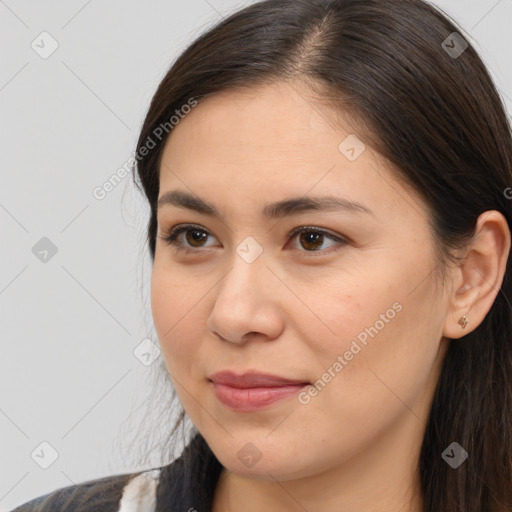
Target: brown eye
[[312, 239], [194, 237]]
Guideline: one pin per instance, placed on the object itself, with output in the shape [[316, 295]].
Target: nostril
[[243, 339]]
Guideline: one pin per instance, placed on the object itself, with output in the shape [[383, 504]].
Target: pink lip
[[252, 390]]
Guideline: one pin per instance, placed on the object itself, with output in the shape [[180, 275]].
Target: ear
[[478, 278]]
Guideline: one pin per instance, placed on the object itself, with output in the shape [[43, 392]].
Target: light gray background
[[69, 326]]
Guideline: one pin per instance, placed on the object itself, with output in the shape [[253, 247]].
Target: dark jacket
[[186, 484]]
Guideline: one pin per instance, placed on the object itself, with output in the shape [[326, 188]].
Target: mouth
[[253, 390]]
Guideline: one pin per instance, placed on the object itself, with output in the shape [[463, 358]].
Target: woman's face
[[352, 314]]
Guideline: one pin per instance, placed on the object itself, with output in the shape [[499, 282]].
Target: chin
[[261, 459]]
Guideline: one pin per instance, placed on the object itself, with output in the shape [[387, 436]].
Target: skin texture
[[293, 310]]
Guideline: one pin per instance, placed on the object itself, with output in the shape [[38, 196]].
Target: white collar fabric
[[139, 494]]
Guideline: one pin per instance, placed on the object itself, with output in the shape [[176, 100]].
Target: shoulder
[[118, 493], [187, 483]]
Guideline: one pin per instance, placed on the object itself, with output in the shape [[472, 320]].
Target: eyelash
[[170, 237]]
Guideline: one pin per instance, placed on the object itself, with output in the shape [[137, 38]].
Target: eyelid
[[316, 229], [170, 237], [171, 234]]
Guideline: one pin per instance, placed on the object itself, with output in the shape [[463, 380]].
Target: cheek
[[379, 362], [176, 313], [378, 303], [348, 308], [370, 324]]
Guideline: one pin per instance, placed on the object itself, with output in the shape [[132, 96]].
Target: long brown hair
[[437, 117]]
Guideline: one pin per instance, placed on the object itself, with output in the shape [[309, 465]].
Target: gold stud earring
[[463, 321]]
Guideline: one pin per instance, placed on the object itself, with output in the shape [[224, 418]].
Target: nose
[[246, 304]]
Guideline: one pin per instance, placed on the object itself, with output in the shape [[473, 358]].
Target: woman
[[329, 230]]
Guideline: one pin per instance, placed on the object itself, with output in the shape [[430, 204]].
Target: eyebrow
[[279, 209]]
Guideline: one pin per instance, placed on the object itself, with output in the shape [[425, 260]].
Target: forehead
[[274, 141], [280, 117]]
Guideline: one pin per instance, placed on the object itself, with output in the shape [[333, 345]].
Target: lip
[[253, 390]]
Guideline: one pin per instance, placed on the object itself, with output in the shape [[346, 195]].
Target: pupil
[[312, 238], [199, 233]]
